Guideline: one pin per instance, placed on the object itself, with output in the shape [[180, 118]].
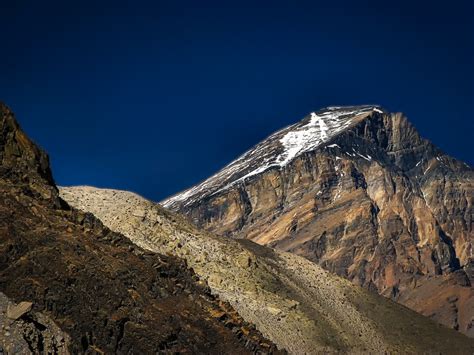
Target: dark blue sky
[[155, 96]]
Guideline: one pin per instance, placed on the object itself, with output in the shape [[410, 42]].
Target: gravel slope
[[292, 301]]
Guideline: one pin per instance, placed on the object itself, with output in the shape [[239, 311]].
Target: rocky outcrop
[[292, 301], [359, 192], [23, 331], [24, 162], [86, 289]]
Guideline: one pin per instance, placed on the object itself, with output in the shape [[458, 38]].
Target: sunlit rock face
[[358, 191]]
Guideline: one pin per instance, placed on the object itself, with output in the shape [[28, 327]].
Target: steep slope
[[292, 301], [358, 191], [91, 290]]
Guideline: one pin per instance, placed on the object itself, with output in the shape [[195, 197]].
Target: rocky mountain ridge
[[70, 285], [358, 191]]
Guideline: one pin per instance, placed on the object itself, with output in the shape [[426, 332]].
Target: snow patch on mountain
[[321, 128]]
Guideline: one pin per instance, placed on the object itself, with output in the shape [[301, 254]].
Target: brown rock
[[15, 312]]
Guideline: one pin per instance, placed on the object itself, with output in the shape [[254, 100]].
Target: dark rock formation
[[23, 331]]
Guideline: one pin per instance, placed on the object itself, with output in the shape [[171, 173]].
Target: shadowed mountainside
[[92, 290]]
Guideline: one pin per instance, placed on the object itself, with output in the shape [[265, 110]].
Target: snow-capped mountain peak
[[279, 149]]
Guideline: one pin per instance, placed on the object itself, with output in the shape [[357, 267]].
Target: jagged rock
[[359, 192]]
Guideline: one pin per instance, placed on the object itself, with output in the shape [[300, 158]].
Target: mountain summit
[[360, 192], [278, 150]]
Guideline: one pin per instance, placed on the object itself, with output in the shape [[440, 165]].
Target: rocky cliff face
[[70, 285], [358, 191], [291, 300]]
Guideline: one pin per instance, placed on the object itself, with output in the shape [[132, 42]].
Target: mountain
[[358, 191], [294, 302], [70, 285]]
